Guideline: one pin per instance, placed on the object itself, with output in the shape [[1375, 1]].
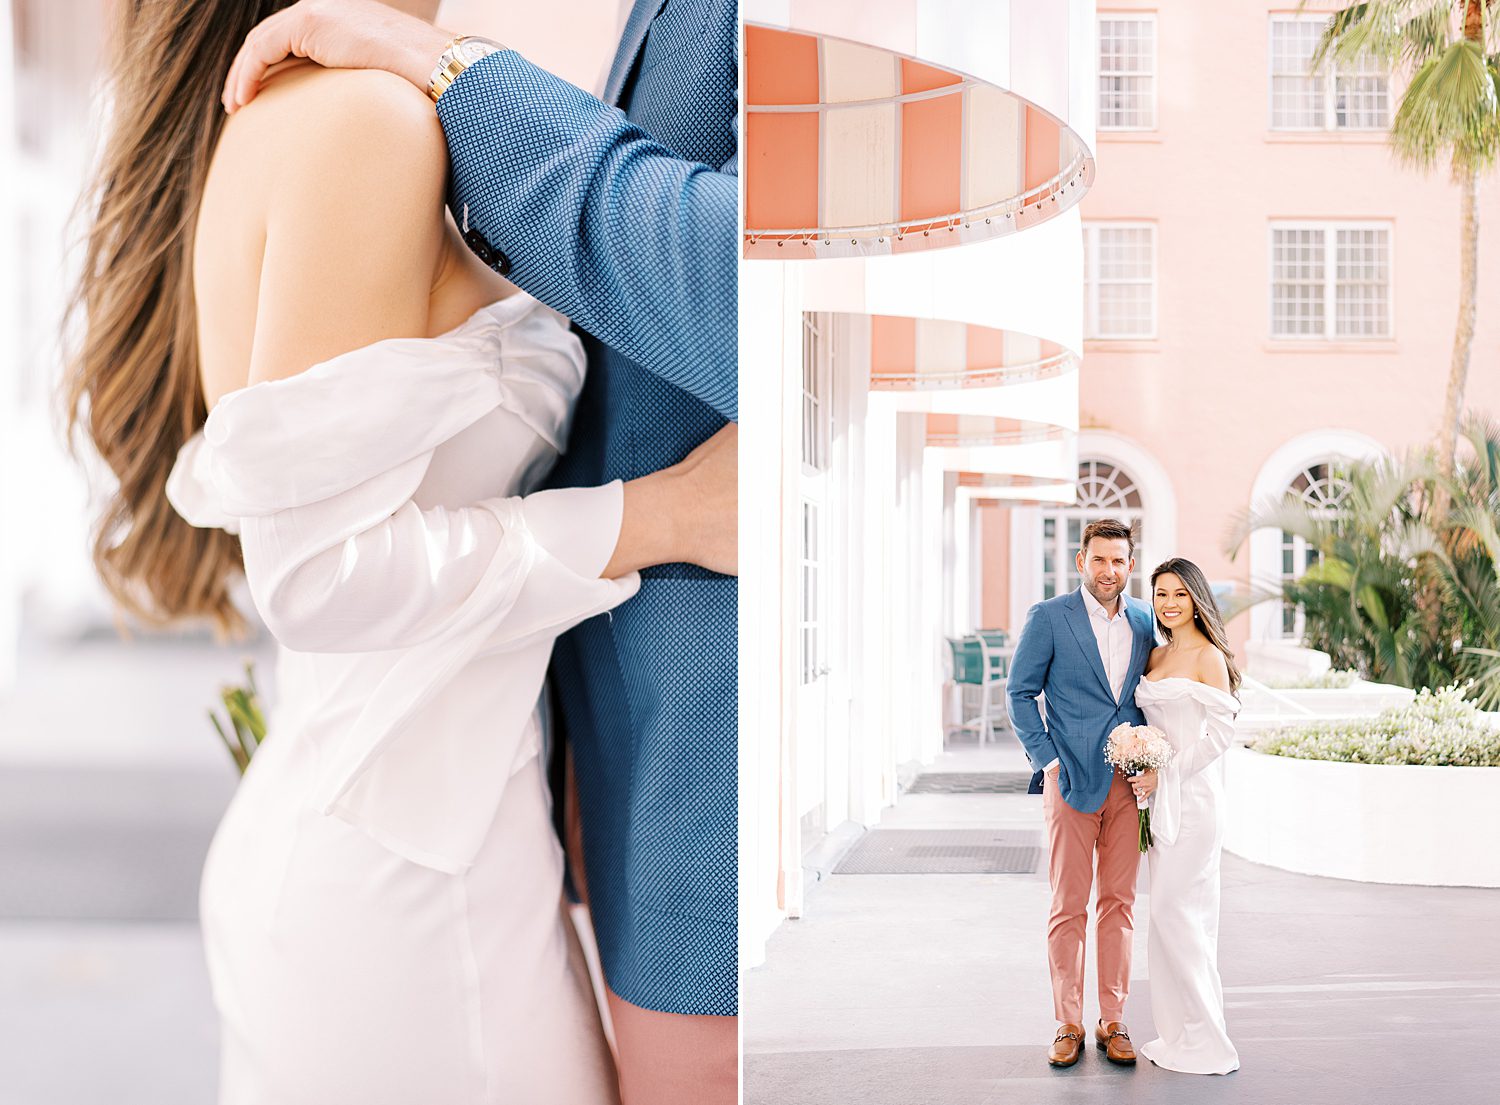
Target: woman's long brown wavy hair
[[133, 379], [1206, 614]]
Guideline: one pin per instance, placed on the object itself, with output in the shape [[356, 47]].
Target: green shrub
[[1439, 728]]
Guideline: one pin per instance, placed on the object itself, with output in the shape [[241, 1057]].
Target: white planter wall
[[1428, 826]]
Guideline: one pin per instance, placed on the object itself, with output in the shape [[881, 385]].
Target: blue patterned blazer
[[1058, 656], [626, 221]]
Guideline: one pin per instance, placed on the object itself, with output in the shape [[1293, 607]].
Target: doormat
[[971, 782], [943, 852]]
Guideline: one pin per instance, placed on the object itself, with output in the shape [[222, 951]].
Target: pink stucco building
[[1266, 290]]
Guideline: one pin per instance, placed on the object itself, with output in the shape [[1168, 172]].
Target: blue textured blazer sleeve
[[599, 221], [1028, 675]]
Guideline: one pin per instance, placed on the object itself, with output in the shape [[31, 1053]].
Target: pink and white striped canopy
[[911, 354], [974, 431], [1017, 490], [853, 150]]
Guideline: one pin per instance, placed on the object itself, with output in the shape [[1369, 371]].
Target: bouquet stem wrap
[[1134, 749]]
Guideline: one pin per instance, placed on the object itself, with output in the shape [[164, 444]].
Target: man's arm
[[634, 244], [1028, 675]]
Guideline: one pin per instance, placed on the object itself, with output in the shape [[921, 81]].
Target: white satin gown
[[380, 905], [1187, 826]]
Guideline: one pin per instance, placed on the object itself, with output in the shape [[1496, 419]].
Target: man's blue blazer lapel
[[630, 45], [1078, 622]]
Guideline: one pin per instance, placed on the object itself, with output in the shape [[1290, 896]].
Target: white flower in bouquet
[[1134, 749]]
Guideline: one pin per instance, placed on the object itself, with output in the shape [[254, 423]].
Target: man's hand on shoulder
[[337, 34]]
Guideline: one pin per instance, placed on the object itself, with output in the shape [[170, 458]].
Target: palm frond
[[1396, 32], [1288, 513], [1240, 599], [1449, 111], [1425, 33], [1360, 30]]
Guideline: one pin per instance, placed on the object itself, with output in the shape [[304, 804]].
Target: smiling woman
[[1188, 616]]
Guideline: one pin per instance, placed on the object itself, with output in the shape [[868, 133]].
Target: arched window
[[1321, 488], [1105, 490]]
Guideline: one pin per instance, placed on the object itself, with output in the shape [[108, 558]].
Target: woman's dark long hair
[[133, 378], [1206, 614]]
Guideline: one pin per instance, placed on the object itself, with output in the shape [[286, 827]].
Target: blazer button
[[486, 252]]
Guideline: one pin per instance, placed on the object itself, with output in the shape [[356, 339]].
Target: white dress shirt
[[1113, 637], [1115, 641]]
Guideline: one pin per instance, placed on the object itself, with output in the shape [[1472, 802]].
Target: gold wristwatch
[[461, 53]]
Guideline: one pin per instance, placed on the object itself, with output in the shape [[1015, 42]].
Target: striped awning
[[1018, 490], [912, 354], [969, 431], [853, 150]]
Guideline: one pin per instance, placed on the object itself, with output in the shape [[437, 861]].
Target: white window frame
[[1330, 229], [812, 591], [817, 392], [816, 408], [1063, 551], [1303, 556], [1091, 323], [1152, 74], [1329, 75]]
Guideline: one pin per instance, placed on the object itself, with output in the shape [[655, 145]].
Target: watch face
[[472, 49]]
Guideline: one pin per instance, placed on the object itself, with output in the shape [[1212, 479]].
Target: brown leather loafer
[[1067, 1047], [1114, 1041]]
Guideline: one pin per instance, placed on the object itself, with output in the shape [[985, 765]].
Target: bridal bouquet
[[1134, 749]]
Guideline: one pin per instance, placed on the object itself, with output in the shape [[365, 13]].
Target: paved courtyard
[[111, 783], [900, 989]]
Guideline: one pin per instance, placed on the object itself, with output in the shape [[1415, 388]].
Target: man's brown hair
[[1111, 529]]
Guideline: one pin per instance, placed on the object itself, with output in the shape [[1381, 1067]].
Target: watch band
[[459, 54]]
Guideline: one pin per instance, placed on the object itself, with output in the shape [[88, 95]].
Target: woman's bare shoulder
[[1212, 667], [362, 124], [330, 183]]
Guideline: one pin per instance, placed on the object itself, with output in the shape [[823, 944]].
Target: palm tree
[[1405, 590], [1361, 599], [1448, 114]]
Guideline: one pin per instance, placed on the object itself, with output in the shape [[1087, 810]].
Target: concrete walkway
[[111, 784], [933, 989]]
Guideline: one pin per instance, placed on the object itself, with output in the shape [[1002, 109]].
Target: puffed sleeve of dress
[[317, 474], [1214, 739]]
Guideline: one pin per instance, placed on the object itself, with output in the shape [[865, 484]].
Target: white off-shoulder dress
[[380, 904], [1187, 824]]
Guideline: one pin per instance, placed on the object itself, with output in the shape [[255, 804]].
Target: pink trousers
[[1074, 839]]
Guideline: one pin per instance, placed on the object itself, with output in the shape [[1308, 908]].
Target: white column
[[10, 269], [873, 769], [957, 507], [766, 318]]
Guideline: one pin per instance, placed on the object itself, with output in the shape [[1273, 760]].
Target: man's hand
[[337, 34]]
